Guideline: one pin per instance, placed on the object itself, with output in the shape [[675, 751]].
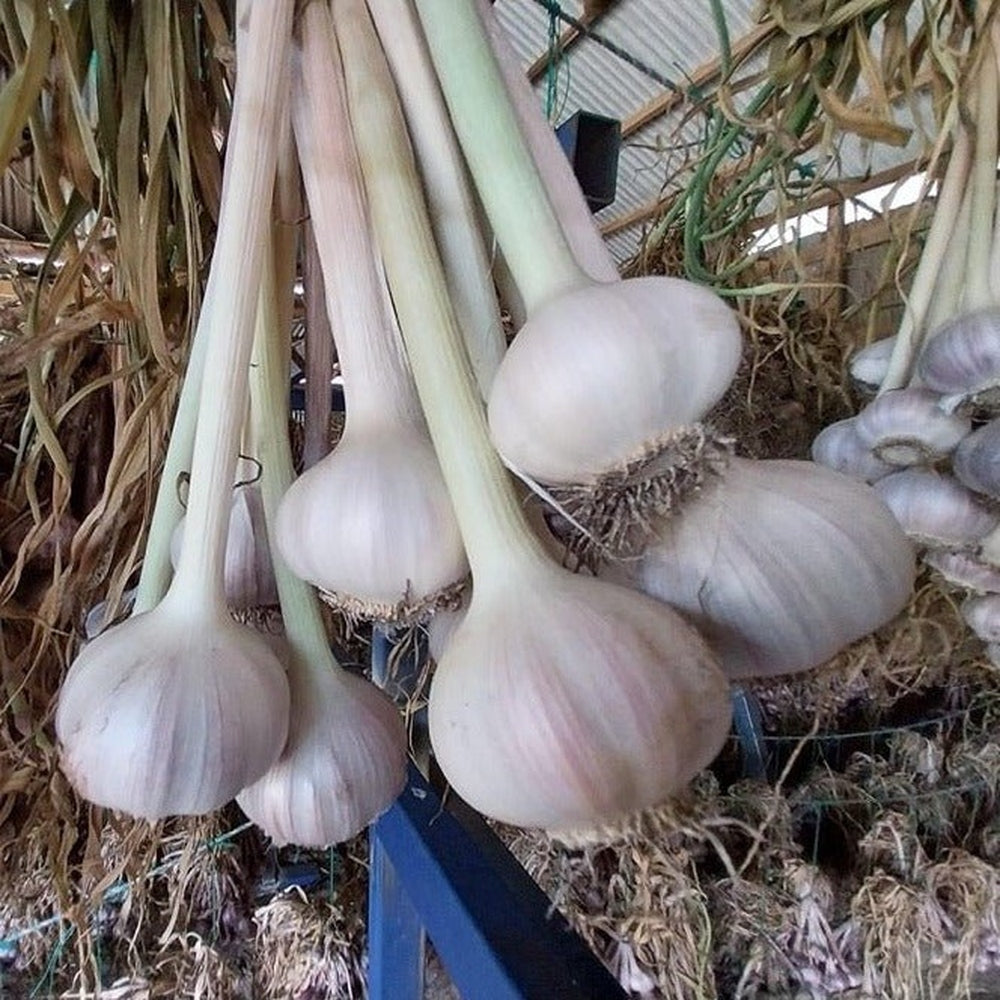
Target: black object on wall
[[592, 143]]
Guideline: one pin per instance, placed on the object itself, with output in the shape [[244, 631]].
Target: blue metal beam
[[494, 929]]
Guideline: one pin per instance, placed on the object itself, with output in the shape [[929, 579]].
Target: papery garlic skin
[[908, 427], [343, 765], [171, 713], [934, 509], [249, 576], [571, 701], [976, 462], [594, 377], [779, 564], [963, 357], [385, 532], [839, 447]]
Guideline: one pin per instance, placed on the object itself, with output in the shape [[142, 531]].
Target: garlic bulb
[[640, 358], [962, 358], [372, 523], [839, 447], [172, 712], [908, 427], [982, 615], [344, 763], [561, 699], [779, 564], [249, 580], [965, 570], [976, 461], [935, 510], [869, 366]]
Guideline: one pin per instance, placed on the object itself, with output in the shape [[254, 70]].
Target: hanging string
[[552, 67]]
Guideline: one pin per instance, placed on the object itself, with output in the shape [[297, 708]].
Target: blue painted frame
[[497, 934]]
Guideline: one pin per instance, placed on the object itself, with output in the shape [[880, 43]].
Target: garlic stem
[[984, 182], [450, 199], [377, 385], [319, 358], [157, 570], [912, 327], [495, 532], [228, 326], [948, 288], [564, 191], [498, 156]]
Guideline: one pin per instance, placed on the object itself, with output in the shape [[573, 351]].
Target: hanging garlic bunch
[[779, 564], [560, 700], [390, 547], [177, 708]]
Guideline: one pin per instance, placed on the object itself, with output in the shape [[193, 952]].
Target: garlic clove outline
[[171, 712], [935, 510], [909, 427], [964, 570], [870, 364], [646, 355], [838, 446], [779, 564], [566, 699], [249, 576]]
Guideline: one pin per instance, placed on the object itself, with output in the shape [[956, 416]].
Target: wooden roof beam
[[569, 37]]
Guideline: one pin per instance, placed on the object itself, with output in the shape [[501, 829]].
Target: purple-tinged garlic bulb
[[908, 427], [868, 366], [961, 360], [779, 564], [976, 461], [839, 447], [935, 510], [964, 570]]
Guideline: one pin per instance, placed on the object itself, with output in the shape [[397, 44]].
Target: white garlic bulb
[[962, 358], [373, 521], [639, 358], [344, 763], [249, 576], [779, 564], [934, 509], [171, 712], [566, 699], [839, 447], [965, 570], [982, 615], [908, 427], [976, 461], [869, 365]]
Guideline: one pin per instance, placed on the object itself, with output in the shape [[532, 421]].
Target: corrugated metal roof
[[673, 39]]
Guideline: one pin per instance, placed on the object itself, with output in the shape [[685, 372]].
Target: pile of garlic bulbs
[[560, 700], [929, 440]]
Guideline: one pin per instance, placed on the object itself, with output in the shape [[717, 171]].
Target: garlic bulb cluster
[[640, 357], [908, 427], [962, 359], [935, 510], [597, 702], [171, 712], [839, 447], [779, 564], [249, 575]]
